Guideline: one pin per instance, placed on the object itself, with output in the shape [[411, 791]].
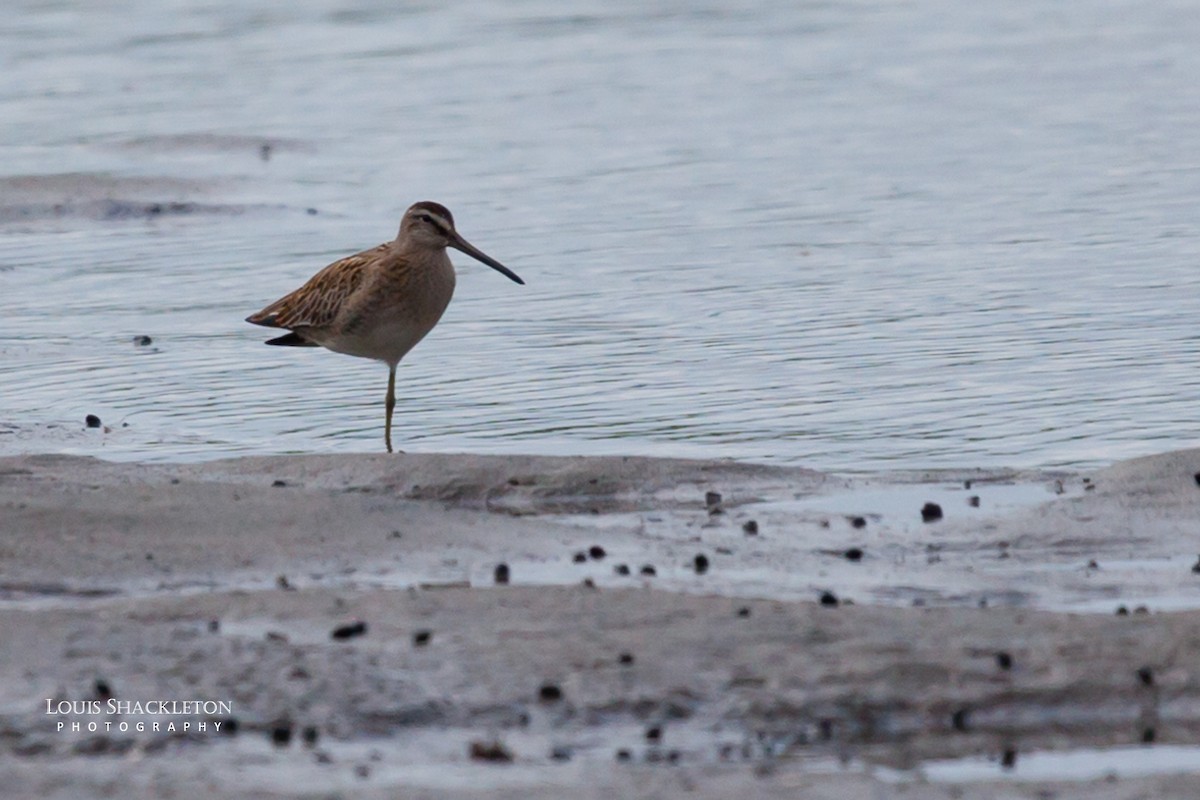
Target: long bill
[[459, 243]]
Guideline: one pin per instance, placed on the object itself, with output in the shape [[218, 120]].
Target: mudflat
[[442, 625]]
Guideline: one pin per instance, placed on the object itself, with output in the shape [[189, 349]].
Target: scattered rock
[[700, 562], [858, 522], [624, 755], [854, 554], [621, 569], [1148, 736], [625, 659], [1146, 676], [142, 341], [1093, 564], [579, 557], [1122, 611], [596, 552], [654, 733], [550, 693], [278, 483], [960, 720], [648, 569], [92, 421], [560, 753], [283, 583], [493, 751], [973, 501], [214, 625], [1004, 660], [744, 611], [931, 512], [750, 527], [829, 599], [500, 574], [309, 735], [350, 630], [281, 733], [713, 499], [1196, 566], [1008, 759], [103, 690], [422, 637]]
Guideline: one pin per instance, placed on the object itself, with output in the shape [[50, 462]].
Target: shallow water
[[851, 235]]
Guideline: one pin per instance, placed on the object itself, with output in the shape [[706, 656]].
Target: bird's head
[[430, 225]]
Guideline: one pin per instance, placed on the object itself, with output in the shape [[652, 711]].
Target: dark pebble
[[654, 733], [579, 557], [561, 754], [281, 734], [621, 569], [714, 498], [966, 484], [750, 527], [700, 562], [744, 611], [1197, 477], [312, 212], [500, 574], [625, 658], [1148, 736], [648, 569], [1004, 660], [103, 690], [854, 554], [283, 583], [973, 501], [829, 599], [92, 421], [1122, 611], [1146, 676], [422, 637], [493, 751], [350, 630], [931, 512], [549, 693], [1093, 564], [143, 341], [858, 522], [960, 719], [596, 552], [279, 483], [588, 583], [673, 756], [1141, 610], [1009, 759], [264, 151], [214, 625], [229, 727], [309, 735], [624, 755], [1196, 566]]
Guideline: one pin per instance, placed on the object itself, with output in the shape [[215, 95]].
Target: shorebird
[[379, 303]]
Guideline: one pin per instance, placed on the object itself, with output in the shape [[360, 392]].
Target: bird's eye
[[426, 218]]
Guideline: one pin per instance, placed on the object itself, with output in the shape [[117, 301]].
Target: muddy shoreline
[[348, 607]]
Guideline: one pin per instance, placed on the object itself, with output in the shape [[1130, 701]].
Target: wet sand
[[839, 646]]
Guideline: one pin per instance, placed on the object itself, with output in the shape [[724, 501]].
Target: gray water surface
[[851, 235]]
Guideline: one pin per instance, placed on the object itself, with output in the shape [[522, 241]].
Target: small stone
[[700, 562], [961, 719], [283, 583], [309, 735], [1141, 610], [858, 522], [712, 499], [579, 557], [493, 751], [1148, 736], [829, 599], [1004, 660], [625, 659], [621, 569], [550, 693], [103, 690], [648, 569], [973, 501], [500, 574], [560, 754], [750, 527], [596, 552], [931, 512], [312, 212], [1122, 611], [349, 631], [624, 755], [214, 625], [279, 483], [422, 637], [854, 554], [1008, 759], [92, 421], [1196, 566], [1093, 564], [362, 771], [966, 484], [654, 733], [744, 611], [281, 734], [142, 341], [1146, 676]]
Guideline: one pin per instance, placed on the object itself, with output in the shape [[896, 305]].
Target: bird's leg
[[390, 403]]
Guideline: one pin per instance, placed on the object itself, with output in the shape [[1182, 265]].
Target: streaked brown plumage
[[379, 303]]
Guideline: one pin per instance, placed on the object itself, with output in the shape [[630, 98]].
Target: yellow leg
[[391, 405]]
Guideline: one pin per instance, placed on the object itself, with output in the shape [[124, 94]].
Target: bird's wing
[[317, 303]]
